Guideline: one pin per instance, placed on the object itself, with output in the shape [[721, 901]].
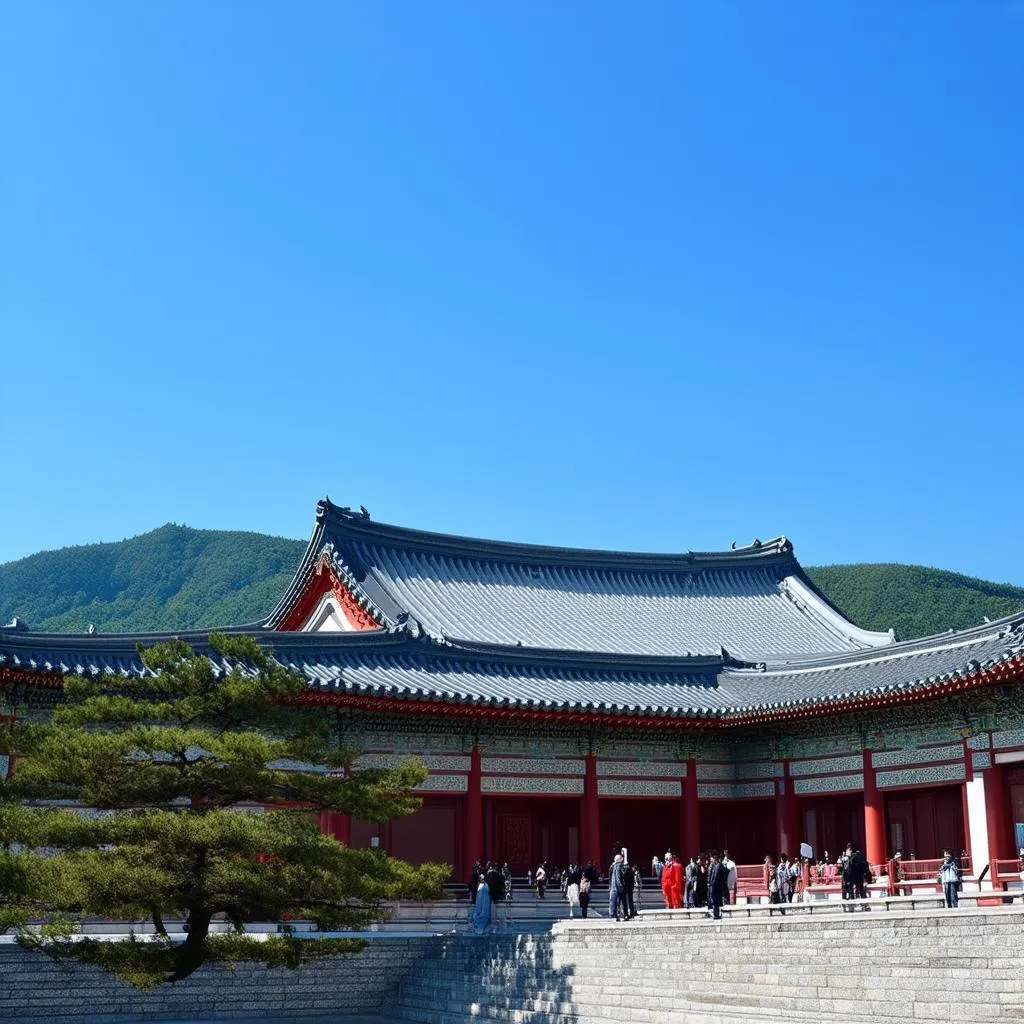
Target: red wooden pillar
[[343, 829], [472, 836], [874, 815], [689, 815], [591, 814], [996, 821], [787, 827]]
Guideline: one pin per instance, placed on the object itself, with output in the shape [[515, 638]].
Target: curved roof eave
[[950, 638], [799, 588]]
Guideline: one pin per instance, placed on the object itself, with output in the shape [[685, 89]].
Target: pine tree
[[166, 759]]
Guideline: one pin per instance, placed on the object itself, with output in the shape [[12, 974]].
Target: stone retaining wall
[[35, 988], [960, 967], [963, 966]]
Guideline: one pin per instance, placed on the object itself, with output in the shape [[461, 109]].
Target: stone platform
[[956, 966]]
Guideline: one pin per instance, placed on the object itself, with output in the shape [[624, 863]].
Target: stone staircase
[[959, 966]]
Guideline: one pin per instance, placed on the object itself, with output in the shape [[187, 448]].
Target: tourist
[[796, 879], [690, 880], [638, 885], [831, 870], [949, 878], [718, 886], [495, 882], [506, 873], [588, 880], [771, 881], [672, 881], [628, 886], [616, 890], [899, 876], [856, 875], [656, 867], [700, 882], [541, 878], [480, 917], [573, 877], [783, 882], [730, 867], [474, 882]]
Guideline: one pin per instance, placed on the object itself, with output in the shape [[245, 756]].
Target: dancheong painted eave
[[754, 601], [404, 670]]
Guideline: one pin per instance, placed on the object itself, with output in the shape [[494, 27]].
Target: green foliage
[[171, 578], [914, 600], [165, 760]]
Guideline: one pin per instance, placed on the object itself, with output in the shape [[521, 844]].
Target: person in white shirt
[[730, 866]]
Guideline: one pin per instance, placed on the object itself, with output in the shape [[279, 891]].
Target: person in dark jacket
[[474, 882], [616, 890], [628, 885], [700, 883], [718, 886], [855, 876], [495, 881]]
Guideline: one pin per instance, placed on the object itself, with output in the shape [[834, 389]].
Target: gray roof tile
[[754, 602]]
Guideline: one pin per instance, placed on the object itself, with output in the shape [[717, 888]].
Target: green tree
[[165, 759]]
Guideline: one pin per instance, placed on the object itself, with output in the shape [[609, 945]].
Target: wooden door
[[901, 828], [514, 841]]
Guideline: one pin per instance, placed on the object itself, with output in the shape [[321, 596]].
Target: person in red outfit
[[672, 882]]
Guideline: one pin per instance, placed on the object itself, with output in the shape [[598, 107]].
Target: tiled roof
[[912, 665], [406, 665], [754, 601]]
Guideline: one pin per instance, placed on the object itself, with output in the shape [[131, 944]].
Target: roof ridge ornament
[[17, 624], [325, 506], [408, 625]]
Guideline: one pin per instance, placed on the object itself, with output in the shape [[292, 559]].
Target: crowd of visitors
[[708, 881]]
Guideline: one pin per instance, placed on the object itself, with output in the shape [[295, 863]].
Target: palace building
[[563, 699]]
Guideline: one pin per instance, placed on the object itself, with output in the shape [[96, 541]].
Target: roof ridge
[[359, 524]]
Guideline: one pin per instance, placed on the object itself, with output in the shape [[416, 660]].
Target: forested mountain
[[914, 600], [171, 578], [176, 577]]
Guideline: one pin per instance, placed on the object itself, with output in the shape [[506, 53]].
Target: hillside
[[176, 577], [915, 600], [170, 578]]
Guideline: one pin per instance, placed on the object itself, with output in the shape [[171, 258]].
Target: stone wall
[[35, 988], [889, 967], [962, 967]]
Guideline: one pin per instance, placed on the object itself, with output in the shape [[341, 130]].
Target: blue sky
[[653, 276]]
